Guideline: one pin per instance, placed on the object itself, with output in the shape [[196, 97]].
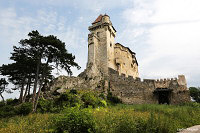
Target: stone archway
[[163, 95]]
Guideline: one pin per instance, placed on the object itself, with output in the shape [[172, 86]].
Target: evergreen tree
[[34, 60], [3, 84]]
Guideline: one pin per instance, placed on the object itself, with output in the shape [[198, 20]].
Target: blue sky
[[165, 34]]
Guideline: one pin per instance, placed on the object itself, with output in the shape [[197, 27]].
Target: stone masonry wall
[[135, 91]]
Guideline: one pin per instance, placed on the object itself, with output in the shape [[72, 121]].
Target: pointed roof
[[98, 19]]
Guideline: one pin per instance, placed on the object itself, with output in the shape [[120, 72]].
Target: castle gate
[[163, 95]]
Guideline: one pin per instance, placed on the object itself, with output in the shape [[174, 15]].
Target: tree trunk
[[40, 87], [21, 93], [29, 89], [2, 98], [26, 91], [35, 84]]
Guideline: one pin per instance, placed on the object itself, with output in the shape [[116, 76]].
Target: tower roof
[[98, 19]]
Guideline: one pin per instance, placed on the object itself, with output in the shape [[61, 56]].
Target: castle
[[104, 53], [113, 67]]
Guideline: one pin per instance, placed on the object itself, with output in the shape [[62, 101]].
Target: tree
[[20, 73], [45, 52], [195, 93], [3, 84]]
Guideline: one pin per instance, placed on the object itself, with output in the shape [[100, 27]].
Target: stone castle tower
[[113, 68], [105, 54]]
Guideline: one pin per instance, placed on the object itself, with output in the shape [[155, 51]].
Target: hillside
[[87, 111]]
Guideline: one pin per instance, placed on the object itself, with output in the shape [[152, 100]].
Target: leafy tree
[[34, 61], [195, 93], [3, 84], [46, 51]]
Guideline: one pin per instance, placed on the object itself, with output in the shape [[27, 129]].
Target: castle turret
[[101, 43]]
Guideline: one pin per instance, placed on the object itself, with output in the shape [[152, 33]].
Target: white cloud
[[14, 26], [171, 40]]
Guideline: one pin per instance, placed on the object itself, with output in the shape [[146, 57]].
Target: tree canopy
[[3, 84], [195, 93], [34, 61]]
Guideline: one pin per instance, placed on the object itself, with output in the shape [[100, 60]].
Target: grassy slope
[[120, 118]]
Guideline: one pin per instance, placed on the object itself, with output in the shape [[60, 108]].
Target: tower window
[[110, 44], [132, 65], [98, 34]]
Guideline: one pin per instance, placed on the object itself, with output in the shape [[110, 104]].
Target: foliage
[[76, 121], [68, 99], [73, 91], [90, 99], [3, 84], [33, 123], [113, 99], [47, 105], [24, 108], [191, 104], [34, 60], [195, 93], [146, 118], [12, 102], [7, 111]]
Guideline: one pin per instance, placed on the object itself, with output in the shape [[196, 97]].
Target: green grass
[[121, 118]]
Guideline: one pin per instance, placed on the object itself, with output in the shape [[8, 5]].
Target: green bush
[[75, 121], [102, 103], [7, 111], [68, 100], [24, 108], [73, 91], [113, 99], [12, 102], [191, 104], [195, 93], [45, 105], [2, 104], [90, 99]]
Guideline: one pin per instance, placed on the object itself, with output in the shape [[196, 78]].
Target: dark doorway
[[163, 95]]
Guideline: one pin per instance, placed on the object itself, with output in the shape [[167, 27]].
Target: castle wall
[[135, 91], [110, 47], [125, 61], [97, 47]]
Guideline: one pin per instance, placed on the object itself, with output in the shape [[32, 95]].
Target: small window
[[98, 34], [131, 65], [110, 44]]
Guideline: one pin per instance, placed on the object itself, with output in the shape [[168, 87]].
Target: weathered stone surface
[[133, 91]]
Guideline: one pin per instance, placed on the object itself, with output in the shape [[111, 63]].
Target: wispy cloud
[[170, 31]]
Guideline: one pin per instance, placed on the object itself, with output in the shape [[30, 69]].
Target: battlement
[[158, 83]]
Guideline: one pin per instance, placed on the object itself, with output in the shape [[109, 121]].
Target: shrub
[[68, 100], [103, 103], [73, 91], [12, 101], [75, 121], [113, 99], [7, 111], [45, 105], [191, 104], [195, 93], [90, 99], [24, 108], [102, 95], [2, 104]]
